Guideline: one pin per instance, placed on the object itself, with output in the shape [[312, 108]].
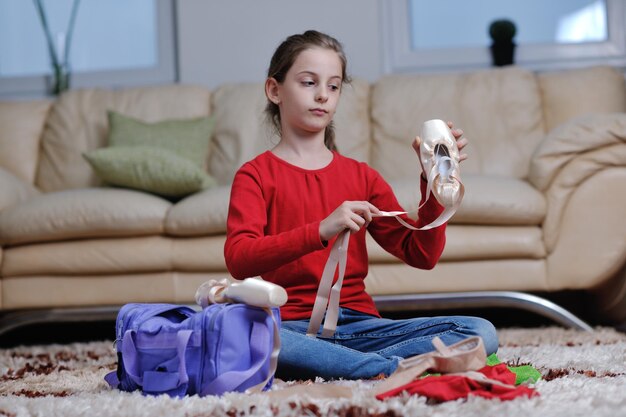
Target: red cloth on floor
[[452, 387]]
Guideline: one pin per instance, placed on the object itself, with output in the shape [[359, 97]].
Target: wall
[[222, 41], [233, 40]]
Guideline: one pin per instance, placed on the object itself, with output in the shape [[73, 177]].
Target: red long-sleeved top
[[273, 228]]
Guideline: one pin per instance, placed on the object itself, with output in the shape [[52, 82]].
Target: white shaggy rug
[[584, 375]]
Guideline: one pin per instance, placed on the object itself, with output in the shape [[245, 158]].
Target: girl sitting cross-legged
[[289, 204]]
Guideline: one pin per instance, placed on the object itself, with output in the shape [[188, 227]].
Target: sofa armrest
[[13, 190], [569, 156], [570, 141]]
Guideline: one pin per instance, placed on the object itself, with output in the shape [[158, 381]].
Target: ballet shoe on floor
[[463, 356]]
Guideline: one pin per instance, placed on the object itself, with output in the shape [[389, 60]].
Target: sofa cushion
[[488, 200], [187, 138], [488, 275], [203, 213], [22, 125], [82, 213], [103, 290], [150, 169], [499, 110], [241, 132], [119, 255], [569, 94], [470, 243], [78, 123], [116, 255]]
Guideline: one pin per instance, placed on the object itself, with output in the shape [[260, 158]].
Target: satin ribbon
[[327, 298]]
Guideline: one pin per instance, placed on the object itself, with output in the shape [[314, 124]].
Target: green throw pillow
[[188, 138], [148, 168]]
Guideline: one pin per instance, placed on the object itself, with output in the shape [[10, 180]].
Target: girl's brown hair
[[283, 59]]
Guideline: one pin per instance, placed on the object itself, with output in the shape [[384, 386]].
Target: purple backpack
[[174, 350]]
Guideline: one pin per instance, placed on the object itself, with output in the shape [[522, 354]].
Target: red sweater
[[273, 228]]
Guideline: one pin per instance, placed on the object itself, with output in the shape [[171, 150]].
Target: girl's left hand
[[461, 142]]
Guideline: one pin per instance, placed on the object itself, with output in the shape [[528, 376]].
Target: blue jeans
[[366, 346]]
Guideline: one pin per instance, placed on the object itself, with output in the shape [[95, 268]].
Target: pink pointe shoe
[[439, 157], [251, 291], [466, 355]]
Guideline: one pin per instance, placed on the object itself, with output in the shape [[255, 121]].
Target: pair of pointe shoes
[[439, 157], [252, 291], [466, 355]]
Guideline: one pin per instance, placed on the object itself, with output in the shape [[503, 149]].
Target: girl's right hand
[[350, 215]]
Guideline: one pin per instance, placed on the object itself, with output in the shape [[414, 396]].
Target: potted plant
[[59, 58], [502, 32]]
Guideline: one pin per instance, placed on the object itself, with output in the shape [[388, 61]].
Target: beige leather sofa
[[544, 209]]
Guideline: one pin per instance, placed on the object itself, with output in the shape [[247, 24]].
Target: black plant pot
[[502, 54]]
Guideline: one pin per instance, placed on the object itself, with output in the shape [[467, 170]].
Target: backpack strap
[[169, 381], [112, 380], [273, 355]]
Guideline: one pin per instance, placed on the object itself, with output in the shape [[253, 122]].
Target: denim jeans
[[366, 346]]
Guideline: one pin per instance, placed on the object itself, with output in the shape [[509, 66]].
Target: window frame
[[165, 71], [399, 57]]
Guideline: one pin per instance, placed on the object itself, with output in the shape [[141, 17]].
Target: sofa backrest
[[78, 123], [241, 131], [499, 110], [569, 94], [505, 114]]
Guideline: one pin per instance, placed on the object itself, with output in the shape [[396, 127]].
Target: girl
[[288, 204]]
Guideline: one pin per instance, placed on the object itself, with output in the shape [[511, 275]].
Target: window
[[115, 43], [452, 34]]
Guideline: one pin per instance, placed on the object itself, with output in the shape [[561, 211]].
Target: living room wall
[[220, 41], [232, 41]]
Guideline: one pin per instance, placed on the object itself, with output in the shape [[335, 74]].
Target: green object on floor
[[492, 360], [523, 373]]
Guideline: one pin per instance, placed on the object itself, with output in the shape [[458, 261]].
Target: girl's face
[[309, 95]]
